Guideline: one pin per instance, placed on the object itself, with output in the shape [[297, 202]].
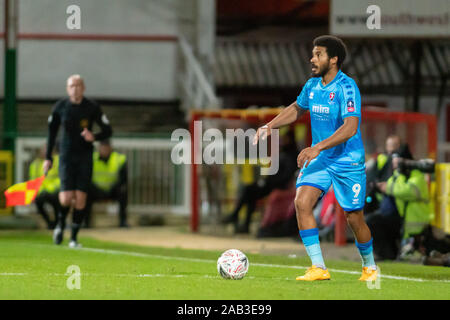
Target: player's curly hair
[[335, 47]]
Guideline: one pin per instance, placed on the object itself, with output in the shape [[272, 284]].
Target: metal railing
[[155, 184]]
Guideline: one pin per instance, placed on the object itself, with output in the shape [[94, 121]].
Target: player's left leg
[[357, 223], [349, 184]]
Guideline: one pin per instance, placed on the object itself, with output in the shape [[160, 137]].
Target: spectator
[[409, 189], [264, 186], [109, 181], [48, 193]]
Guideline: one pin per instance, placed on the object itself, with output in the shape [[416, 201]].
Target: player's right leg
[[313, 182], [349, 183]]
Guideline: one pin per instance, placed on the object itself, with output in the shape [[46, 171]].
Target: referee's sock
[[310, 238], [77, 219], [62, 214]]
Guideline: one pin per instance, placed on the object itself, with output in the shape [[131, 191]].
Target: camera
[[424, 165]]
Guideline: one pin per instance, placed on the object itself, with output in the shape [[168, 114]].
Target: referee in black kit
[[76, 115]]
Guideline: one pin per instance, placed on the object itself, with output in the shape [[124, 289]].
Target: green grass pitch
[[31, 267]]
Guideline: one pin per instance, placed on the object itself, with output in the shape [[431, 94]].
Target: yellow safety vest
[[51, 182], [106, 174], [381, 160], [412, 199]]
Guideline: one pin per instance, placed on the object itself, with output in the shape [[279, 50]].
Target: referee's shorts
[[75, 172]]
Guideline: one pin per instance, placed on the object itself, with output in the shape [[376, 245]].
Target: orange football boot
[[315, 273], [369, 274]]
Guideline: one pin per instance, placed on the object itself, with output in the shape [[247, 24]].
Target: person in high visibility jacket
[[412, 213], [109, 181], [410, 190], [48, 193]]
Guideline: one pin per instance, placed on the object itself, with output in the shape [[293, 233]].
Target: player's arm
[[342, 134], [54, 122], [286, 116]]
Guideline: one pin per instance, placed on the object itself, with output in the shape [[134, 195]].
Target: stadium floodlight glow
[[236, 148]]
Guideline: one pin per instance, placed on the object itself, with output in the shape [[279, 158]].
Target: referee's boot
[[58, 234], [74, 244]]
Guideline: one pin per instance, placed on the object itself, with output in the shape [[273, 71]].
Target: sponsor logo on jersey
[[332, 94], [350, 106], [320, 109], [311, 95]]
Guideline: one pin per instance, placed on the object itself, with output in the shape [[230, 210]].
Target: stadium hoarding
[[385, 18]]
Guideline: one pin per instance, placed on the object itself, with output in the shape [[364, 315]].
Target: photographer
[[409, 188], [381, 170]]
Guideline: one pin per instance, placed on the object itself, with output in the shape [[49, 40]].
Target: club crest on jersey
[[350, 106], [332, 94]]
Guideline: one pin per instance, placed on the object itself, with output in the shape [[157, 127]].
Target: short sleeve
[[303, 97], [350, 101]]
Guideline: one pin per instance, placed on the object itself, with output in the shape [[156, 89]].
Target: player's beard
[[321, 71]]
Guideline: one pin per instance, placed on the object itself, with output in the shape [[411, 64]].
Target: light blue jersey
[[343, 165], [329, 105]]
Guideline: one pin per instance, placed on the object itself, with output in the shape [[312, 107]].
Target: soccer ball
[[232, 264]]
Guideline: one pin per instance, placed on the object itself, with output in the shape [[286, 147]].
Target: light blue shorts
[[349, 181]]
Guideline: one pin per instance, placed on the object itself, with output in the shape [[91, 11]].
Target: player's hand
[[263, 132], [47, 165], [306, 156], [87, 135]]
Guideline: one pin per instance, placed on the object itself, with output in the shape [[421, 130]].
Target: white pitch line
[[137, 254], [12, 274]]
